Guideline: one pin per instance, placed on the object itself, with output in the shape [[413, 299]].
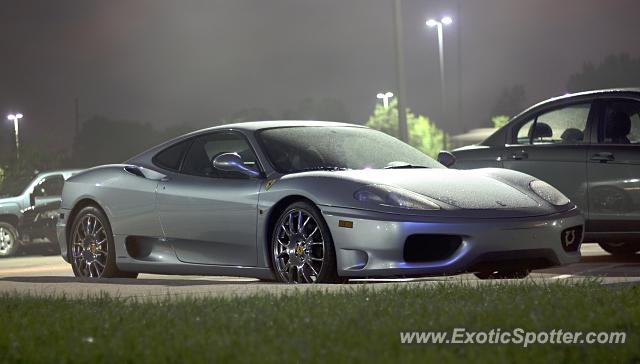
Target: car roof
[[569, 96], [249, 127], [498, 135], [268, 124]]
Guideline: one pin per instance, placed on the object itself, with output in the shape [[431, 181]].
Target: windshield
[[296, 149]]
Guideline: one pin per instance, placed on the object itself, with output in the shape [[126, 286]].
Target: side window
[[620, 123], [49, 186], [566, 125], [171, 157], [561, 126], [198, 159]]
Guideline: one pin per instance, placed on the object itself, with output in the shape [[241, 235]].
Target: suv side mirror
[[446, 158], [232, 162]]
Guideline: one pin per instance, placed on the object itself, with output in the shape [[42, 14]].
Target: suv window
[[204, 148], [561, 126], [171, 157], [49, 186], [523, 136], [620, 123]]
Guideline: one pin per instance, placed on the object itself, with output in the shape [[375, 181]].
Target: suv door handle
[[603, 157], [520, 155]]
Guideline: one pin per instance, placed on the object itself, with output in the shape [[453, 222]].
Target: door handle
[[520, 155], [603, 157]]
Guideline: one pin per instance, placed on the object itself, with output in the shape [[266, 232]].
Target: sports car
[[309, 202]]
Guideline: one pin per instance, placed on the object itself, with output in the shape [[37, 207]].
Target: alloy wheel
[[90, 247], [299, 247]]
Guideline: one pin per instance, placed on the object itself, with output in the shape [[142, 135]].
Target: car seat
[[617, 128]]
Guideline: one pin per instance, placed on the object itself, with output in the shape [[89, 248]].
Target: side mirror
[[446, 158], [232, 162], [32, 198]]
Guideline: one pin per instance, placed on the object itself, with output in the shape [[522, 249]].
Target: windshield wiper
[[404, 166], [321, 168]]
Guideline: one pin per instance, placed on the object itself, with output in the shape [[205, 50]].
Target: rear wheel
[[503, 274], [620, 249], [302, 250], [91, 246], [9, 244]]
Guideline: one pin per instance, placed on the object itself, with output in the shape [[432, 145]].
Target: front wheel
[[620, 249], [503, 274], [91, 246], [302, 250], [9, 244]]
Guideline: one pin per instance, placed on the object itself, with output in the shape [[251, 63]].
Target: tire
[[9, 244], [504, 274], [302, 249], [90, 234], [620, 249]]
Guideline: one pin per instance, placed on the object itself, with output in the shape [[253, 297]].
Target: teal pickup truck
[[31, 215]]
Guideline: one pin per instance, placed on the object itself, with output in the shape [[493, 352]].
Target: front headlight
[[384, 195], [548, 193]]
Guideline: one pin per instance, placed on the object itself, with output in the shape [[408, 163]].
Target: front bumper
[[373, 246]]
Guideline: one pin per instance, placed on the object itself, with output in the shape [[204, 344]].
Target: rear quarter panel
[[127, 200]]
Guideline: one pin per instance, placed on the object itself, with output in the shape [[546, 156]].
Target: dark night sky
[[169, 62]]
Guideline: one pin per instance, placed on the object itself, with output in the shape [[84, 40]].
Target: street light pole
[[441, 53], [403, 131], [15, 118], [385, 98], [439, 27]]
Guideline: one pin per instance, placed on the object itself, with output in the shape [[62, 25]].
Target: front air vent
[[134, 170], [424, 248], [571, 238], [139, 247]]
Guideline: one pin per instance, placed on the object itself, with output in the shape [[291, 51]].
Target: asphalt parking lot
[[47, 275]]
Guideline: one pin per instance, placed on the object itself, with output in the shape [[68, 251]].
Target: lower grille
[[516, 259]]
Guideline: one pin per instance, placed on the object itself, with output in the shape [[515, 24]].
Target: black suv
[[588, 146]]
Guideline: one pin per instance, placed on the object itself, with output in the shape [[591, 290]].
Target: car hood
[[476, 194], [10, 203], [465, 189]]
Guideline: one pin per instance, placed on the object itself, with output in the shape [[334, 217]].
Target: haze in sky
[[170, 62]]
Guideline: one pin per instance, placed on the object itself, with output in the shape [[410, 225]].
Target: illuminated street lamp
[[15, 118], [385, 98], [439, 25]]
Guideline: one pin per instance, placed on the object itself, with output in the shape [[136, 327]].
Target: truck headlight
[[384, 195], [548, 193]]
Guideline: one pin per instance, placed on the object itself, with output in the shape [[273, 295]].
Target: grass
[[356, 325]]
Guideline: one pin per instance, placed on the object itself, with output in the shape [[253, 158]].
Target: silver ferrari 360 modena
[[309, 202]]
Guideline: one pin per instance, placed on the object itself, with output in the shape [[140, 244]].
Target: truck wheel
[[9, 244]]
